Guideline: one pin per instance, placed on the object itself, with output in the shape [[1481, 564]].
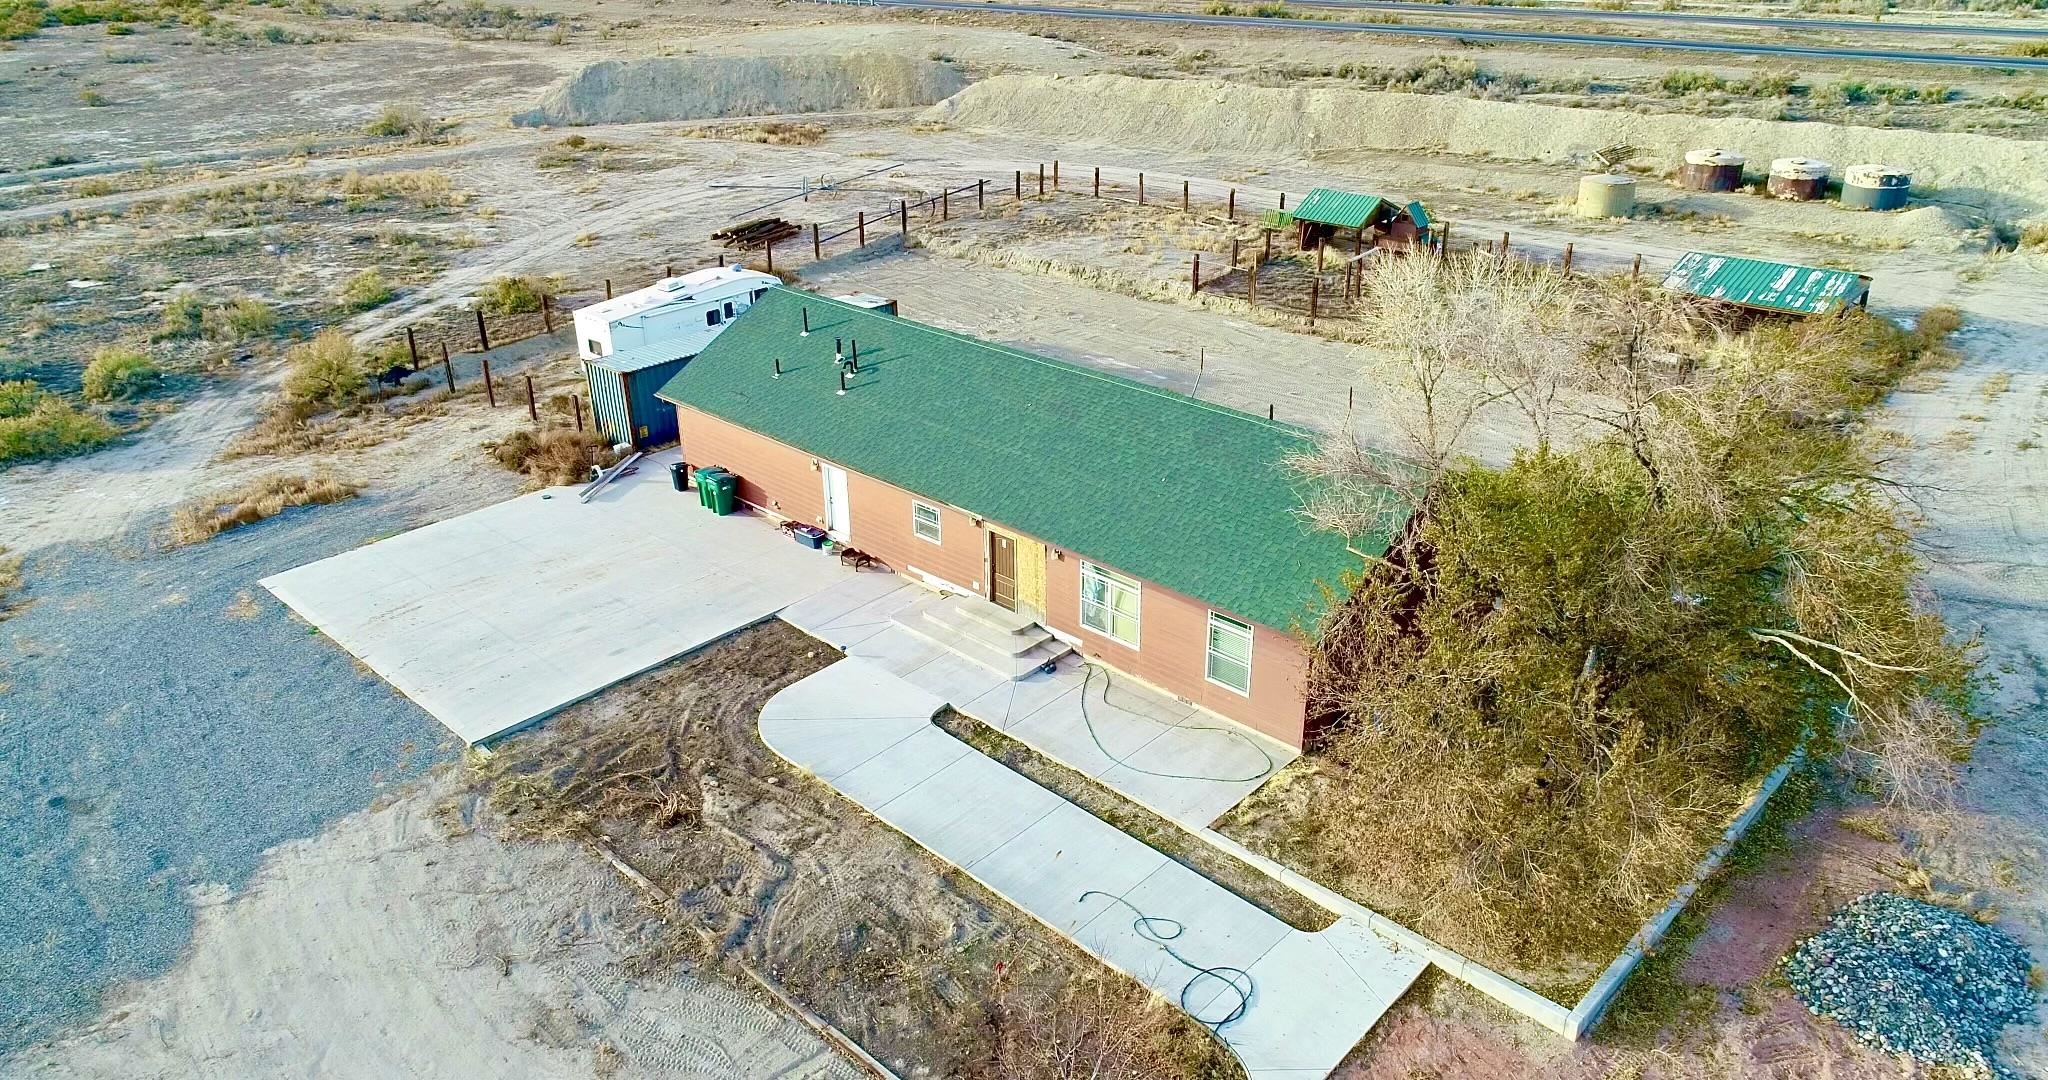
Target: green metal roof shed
[[1343, 209], [1767, 286], [1180, 492]]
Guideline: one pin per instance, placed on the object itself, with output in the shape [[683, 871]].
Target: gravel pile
[[1917, 979]]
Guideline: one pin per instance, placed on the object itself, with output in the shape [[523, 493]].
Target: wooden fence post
[[1443, 242], [608, 281], [483, 337], [1235, 245], [1141, 189], [1183, 196], [1567, 258], [1195, 278], [532, 410], [1232, 212], [980, 194], [1019, 181], [770, 249], [1269, 245], [447, 369], [1055, 174], [1041, 180], [1251, 284], [817, 247], [412, 347], [1098, 181], [668, 270], [1503, 247], [576, 403], [1635, 272], [860, 226], [1283, 200], [547, 312], [902, 218], [1315, 285], [945, 204], [490, 392]]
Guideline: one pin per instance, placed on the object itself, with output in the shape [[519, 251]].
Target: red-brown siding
[[1173, 629]]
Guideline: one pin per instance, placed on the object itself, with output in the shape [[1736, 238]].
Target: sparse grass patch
[[117, 373], [772, 133], [240, 319], [427, 187], [10, 583], [208, 516]]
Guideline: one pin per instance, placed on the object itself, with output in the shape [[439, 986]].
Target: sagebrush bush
[[365, 290], [184, 316], [554, 456], [326, 371], [511, 295], [118, 374], [37, 424], [240, 319]]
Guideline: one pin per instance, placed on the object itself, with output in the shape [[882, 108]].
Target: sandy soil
[[464, 955]]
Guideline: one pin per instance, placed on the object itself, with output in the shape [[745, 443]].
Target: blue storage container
[[622, 389]]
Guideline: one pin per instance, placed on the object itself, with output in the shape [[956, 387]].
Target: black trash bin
[[679, 475]]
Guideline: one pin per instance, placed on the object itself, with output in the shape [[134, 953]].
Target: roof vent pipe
[[855, 342], [778, 368], [839, 350], [842, 382], [807, 323]]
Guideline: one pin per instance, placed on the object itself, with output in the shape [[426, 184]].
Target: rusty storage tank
[[1800, 179], [1606, 195], [1875, 187], [1711, 170]]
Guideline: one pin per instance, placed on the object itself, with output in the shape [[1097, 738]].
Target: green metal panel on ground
[[1344, 209], [1769, 286]]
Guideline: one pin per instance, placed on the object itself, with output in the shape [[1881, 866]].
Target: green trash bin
[[725, 489], [705, 478]]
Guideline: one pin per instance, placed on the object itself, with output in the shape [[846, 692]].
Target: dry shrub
[[511, 295], [773, 133], [10, 583], [208, 516], [426, 187], [554, 456], [1101, 1029], [118, 373]]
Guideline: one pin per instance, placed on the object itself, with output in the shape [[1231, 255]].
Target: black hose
[[1088, 677], [1237, 979]]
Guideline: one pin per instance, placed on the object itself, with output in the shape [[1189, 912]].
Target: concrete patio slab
[[494, 619], [1307, 998]]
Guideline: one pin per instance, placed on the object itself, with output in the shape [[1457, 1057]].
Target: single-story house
[[1349, 220], [1762, 285], [1156, 533]]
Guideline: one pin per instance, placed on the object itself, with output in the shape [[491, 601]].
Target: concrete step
[[1011, 655], [994, 616], [1015, 636]]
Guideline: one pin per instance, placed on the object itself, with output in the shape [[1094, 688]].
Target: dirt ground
[[844, 914], [465, 955]]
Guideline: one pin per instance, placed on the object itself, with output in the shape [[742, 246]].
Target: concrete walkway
[[1290, 1004], [1175, 759]]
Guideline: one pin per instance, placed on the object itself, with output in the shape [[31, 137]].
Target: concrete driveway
[[497, 618]]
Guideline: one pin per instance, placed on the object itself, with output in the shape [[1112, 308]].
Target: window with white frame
[[1230, 653], [924, 521], [1109, 603]]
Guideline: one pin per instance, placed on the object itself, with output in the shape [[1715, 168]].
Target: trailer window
[[713, 318]]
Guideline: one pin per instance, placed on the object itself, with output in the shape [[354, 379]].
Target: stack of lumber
[[758, 233]]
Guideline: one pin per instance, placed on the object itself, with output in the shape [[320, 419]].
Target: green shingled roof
[[1772, 286], [1177, 491], [1344, 209]]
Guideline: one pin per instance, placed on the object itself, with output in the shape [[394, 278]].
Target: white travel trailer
[[671, 307]]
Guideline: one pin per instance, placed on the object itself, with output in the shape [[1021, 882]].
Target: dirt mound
[[704, 87], [1203, 116]]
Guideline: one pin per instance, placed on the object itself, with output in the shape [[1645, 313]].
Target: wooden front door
[[1002, 570]]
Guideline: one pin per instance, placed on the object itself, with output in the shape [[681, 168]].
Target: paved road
[[1682, 17], [1461, 34]]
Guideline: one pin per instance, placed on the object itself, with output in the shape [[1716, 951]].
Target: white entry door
[[836, 521]]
